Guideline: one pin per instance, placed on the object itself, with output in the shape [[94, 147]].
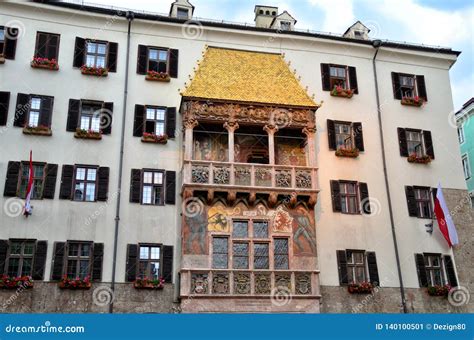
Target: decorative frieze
[[199, 283], [262, 283], [241, 283], [220, 283], [303, 283]]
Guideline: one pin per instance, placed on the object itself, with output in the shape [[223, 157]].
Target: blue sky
[[448, 23]]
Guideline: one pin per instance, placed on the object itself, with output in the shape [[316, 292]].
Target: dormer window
[[358, 34], [182, 13], [285, 26]]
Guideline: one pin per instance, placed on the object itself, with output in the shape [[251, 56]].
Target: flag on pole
[[28, 208], [445, 222]]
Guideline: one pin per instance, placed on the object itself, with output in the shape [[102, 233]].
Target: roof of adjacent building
[[465, 106], [247, 76]]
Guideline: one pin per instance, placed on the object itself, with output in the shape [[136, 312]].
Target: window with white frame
[[96, 54], [465, 166], [149, 265], [20, 258], [155, 120], [158, 60], [90, 117], [182, 13], [343, 133], [338, 76], [434, 270], [38, 180], [461, 134], [34, 115], [349, 197], [78, 260], [423, 202], [2, 40], [356, 268], [85, 184], [407, 85], [152, 191], [285, 25], [415, 143]]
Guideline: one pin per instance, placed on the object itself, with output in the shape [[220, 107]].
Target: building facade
[[465, 125], [191, 166]]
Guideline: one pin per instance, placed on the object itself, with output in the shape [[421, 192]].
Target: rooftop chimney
[[264, 15]]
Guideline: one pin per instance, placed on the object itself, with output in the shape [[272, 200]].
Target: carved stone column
[[271, 130], [310, 132], [189, 125], [231, 126]]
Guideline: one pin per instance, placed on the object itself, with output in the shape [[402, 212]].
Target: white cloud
[[338, 14]]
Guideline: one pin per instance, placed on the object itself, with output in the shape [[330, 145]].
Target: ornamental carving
[[199, 284], [262, 283], [283, 178], [283, 281], [303, 179], [242, 283], [221, 175], [303, 283], [200, 174], [241, 113], [220, 283]]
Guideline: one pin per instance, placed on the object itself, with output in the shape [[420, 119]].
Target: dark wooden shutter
[[364, 197], [112, 57], [58, 261], [174, 56], [106, 118], [22, 109], [131, 267], [40, 260], [46, 111], [3, 255], [450, 272], [11, 37], [73, 115], [325, 77], [168, 263], [421, 269], [11, 183], [336, 196], [170, 187], [411, 202], [342, 267], [420, 84], [79, 48], [53, 46], [142, 59], [138, 120], [171, 122], [50, 181], [353, 79], [373, 270], [402, 142], [135, 185], [428, 144], [4, 105], [67, 175], [397, 94], [331, 135], [358, 136], [103, 188], [97, 261]]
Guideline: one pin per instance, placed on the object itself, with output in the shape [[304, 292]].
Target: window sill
[[438, 290], [419, 160], [163, 78], [82, 134], [50, 66], [80, 286], [2, 59], [412, 102], [148, 286], [94, 71], [37, 131], [351, 153], [360, 288], [155, 139], [23, 282], [342, 93]]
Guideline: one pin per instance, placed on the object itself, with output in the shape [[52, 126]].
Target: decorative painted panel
[[211, 147], [220, 283], [241, 283], [199, 283], [304, 234], [303, 283], [262, 283]]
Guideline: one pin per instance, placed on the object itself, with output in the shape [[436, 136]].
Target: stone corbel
[[293, 199], [270, 129], [190, 123], [231, 125], [210, 196], [273, 199], [252, 198], [313, 199], [231, 197], [187, 194]]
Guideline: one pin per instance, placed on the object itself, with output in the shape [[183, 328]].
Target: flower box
[[157, 76], [352, 153], [87, 134], [439, 290], [412, 101], [94, 71], [149, 284], [8, 282], [339, 91], [45, 63], [152, 138], [419, 159], [77, 283], [360, 288], [40, 130], [2, 59]]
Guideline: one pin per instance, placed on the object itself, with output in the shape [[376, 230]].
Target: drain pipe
[[130, 15], [376, 44]]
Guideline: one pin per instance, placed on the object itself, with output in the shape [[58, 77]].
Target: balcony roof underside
[[247, 77]]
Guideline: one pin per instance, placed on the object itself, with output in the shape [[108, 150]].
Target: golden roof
[[246, 76]]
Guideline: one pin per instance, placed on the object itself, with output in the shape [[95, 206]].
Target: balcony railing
[[250, 175], [258, 283]]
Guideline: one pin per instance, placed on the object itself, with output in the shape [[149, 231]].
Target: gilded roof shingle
[[246, 76]]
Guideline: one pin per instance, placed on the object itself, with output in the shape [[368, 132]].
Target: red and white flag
[[28, 209], [445, 222]]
